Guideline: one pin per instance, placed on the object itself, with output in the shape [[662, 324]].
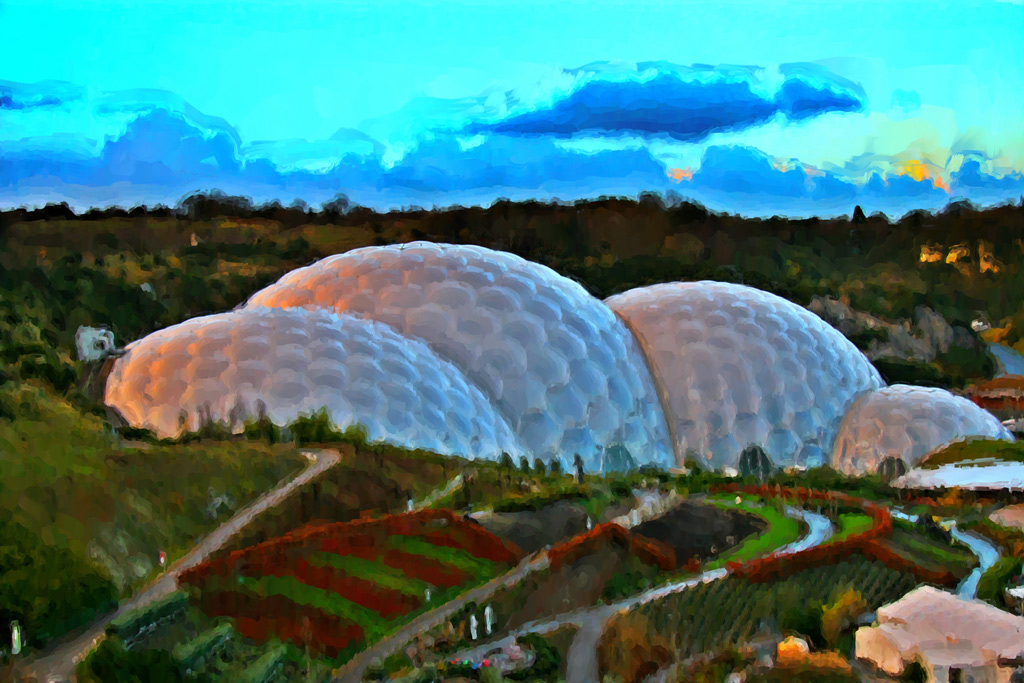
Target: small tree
[[840, 614], [914, 672], [467, 480], [507, 465], [892, 467], [755, 462], [539, 467], [556, 467], [524, 465], [577, 462]]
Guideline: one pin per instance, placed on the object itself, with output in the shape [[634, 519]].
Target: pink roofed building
[[955, 639]]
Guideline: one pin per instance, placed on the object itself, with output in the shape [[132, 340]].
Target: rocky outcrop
[[920, 340]]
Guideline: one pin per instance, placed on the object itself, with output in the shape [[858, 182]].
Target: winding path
[[987, 555], [58, 662], [983, 549]]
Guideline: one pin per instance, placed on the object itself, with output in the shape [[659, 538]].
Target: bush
[[545, 666], [130, 625], [48, 589], [111, 662], [914, 673], [993, 581], [621, 489], [317, 428], [840, 614], [541, 500]]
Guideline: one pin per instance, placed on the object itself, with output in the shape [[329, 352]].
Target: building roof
[[950, 630]]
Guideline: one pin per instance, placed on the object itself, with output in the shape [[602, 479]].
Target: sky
[[796, 108]]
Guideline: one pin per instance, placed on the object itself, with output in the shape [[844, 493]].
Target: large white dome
[[738, 366], [908, 422], [297, 362], [562, 368]]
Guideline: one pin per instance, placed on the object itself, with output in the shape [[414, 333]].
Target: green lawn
[[974, 450], [931, 552], [290, 587], [850, 524], [782, 530], [456, 557], [379, 573]]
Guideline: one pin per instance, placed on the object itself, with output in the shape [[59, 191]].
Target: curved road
[[59, 661]]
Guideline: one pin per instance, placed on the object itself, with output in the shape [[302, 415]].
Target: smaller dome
[[297, 362], [907, 423]]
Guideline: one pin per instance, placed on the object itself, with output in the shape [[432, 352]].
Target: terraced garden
[[334, 588], [927, 552], [724, 614]]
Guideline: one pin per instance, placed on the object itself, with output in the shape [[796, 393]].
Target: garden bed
[[693, 528], [334, 588], [532, 530]]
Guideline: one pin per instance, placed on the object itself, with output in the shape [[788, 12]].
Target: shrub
[[840, 614], [914, 673], [546, 663], [111, 661], [993, 581]]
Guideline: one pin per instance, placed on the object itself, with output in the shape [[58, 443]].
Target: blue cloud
[[906, 101], [37, 95], [744, 170], [161, 148], [449, 166], [971, 175], [685, 103]]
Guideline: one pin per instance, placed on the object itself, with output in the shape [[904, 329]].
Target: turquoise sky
[[935, 76]]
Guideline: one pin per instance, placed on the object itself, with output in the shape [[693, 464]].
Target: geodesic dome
[[297, 362], [908, 423], [559, 365], [737, 366]]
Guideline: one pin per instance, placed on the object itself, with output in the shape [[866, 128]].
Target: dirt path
[[58, 662], [438, 494]]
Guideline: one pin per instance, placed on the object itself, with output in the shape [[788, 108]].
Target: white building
[[94, 343], [954, 639]]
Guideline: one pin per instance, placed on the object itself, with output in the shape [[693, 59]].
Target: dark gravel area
[[534, 530], [697, 529]]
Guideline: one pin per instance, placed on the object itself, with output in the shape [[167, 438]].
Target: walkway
[[987, 555], [983, 549], [59, 661]]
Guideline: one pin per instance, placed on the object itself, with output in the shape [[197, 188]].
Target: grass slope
[[974, 450], [82, 521], [849, 524], [782, 530]]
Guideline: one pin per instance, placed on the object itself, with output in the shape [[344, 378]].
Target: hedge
[[131, 625], [266, 667], [648, 550]]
